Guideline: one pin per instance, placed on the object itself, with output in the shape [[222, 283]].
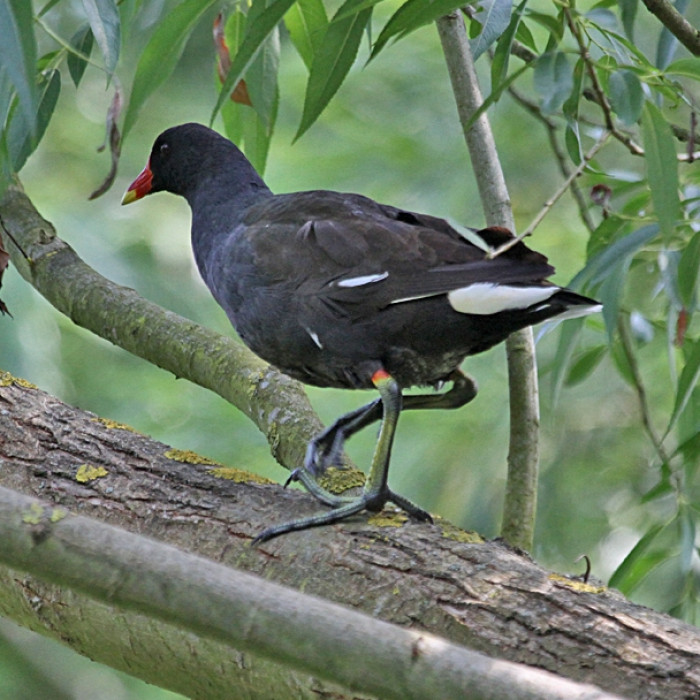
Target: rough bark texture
[[483, 595], [258, 617]]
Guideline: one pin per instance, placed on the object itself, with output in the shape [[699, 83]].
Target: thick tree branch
[[523, 455], [678, 25], [433, 577], [255, 616]]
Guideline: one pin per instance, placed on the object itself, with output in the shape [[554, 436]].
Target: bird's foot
[[344, 508]]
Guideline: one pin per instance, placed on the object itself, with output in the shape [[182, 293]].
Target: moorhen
[[337, 290]]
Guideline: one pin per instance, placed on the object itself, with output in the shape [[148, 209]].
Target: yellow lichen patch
[[577, 585], [240, 476], [33, 514], [57, 514], [388, 518], [6, 379], [451, 532], [113, 425], [340, 480], [190, 457], [86, 473]]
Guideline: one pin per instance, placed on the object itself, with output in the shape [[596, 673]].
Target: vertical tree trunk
[[523, 456]]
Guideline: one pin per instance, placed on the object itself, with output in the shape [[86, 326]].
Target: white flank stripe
[[487, 298], [364, 279], [314, 336]]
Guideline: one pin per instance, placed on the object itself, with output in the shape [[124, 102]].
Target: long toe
[[411, 508]]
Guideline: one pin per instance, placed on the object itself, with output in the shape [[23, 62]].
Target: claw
[[294, 476]]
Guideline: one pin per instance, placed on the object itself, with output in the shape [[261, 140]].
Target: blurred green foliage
[[391, 132]]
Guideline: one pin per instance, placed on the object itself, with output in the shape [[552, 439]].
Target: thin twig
[[551, 128], [554, 198], [65, 45], [600, 97], [626, 342]]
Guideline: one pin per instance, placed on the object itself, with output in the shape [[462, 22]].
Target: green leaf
[[553, 80], [627, 575], [103, 16], [501, 55], [7, 93], [21, 143], [622, 362], [571, 104], [18, 54], [161, 54], [686, 526], [688, 271], [410, 16], [306, 22], [554, 25], [256, 32], [568, 338], [234, 30], [622, 47], [493, 23], [686, 383], [81, 41], [331, 64], [47, 7], [626, 96], [604, 262], [605, 233], [688, 67], [232, 115], [261, 81], [256, 137], [661, 166], [584, 364], [525, 37], [610, 295], [628, 13], [572, 141], [352, 8]]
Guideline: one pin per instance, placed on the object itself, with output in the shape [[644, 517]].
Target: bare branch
[[562, 159], [523, 454], [678, 25], [555, 197], [600, 97]]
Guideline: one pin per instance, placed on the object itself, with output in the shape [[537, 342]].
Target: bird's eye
[[164, 150]]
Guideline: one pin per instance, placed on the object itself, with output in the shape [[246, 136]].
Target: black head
[[183, 157]]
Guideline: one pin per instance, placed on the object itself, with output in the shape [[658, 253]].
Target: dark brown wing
[[357, 256]]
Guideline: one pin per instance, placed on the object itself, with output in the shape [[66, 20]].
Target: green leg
[[325, 450], [329, 444]]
